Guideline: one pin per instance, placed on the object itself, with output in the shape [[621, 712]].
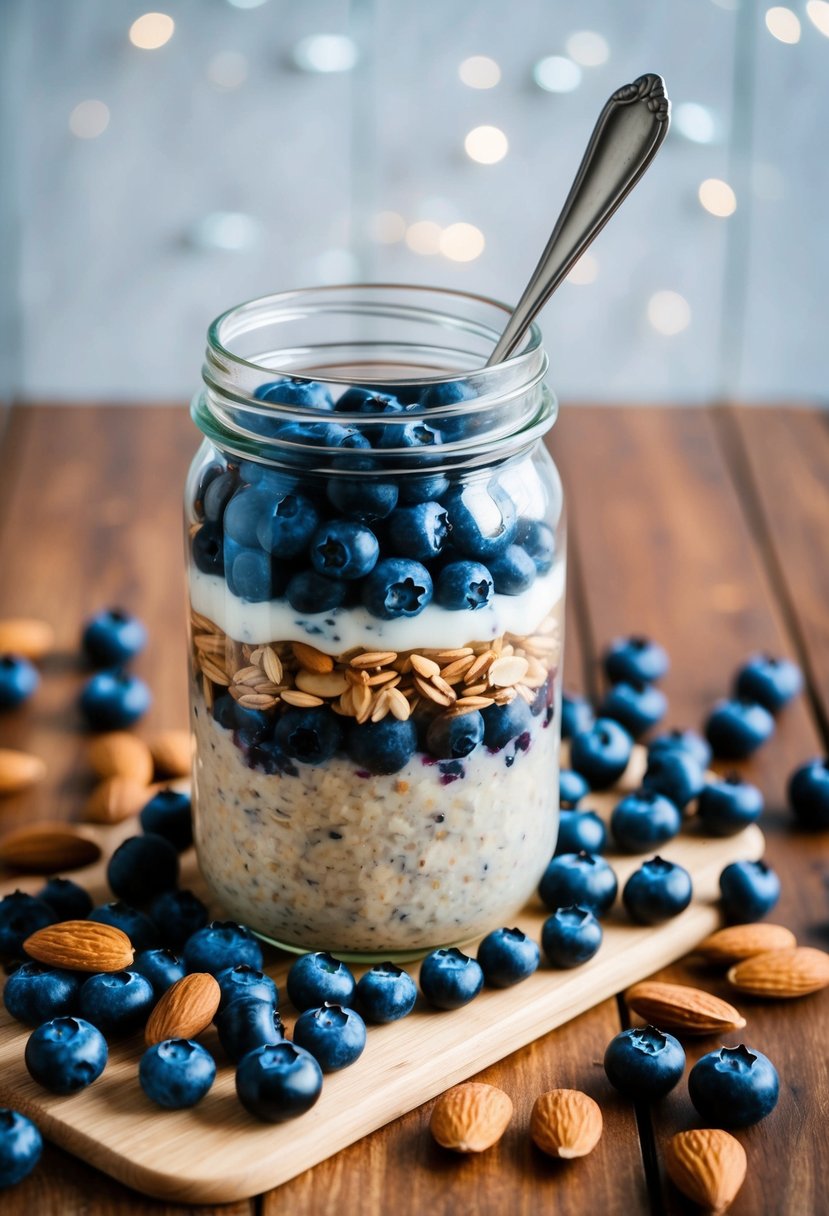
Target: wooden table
[[705, 528]]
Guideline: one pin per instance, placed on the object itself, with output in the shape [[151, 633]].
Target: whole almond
[[312, 659], [566, 1123], [471, 1117], [736, 942], [120, 754], [171, 752], [782, 973], [45, 848], [115, 799], [185, 1009], [19, 770], [683, 1009], [26, 636], [81, 945], [707, 1165]]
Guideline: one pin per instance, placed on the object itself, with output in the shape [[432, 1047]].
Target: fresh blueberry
[[769, 681], [233, 716], [245, 981], [382, 747], [369, 401], [139, 928], [20, 1147], [505, 722], [217, 495], [578, 878], [316, 978], [176, 1073], [454, 425], [636, 705], [18, 680], [222, 944], [644, 820], [676, 774], [21, 915], [412, 434], [142, 867], [247, 1023], [420, 531], [66, 1054], [343, 549], [482, 520], [580, 831], [112, 637], [726, 806], [657, 891], [290, 391], [117, 1002], [177, 914], [601, 753], [66, 898], [386, 993], [453, 738], [208, 549], [167, 814], [34, 993], [397, 587], [418, 487], [450, 979], [364, 498], [161, 968], [682, 741], [248, 508], [644, 1063], [749, 890], [286, 524], [809, 794], [538, 541], [464, 585], [635, 658], [572, 787], [737, 728], [576, 715], [278, 1082], [208, 474], [312, 592], [507, 956], [113, 700], [335, 1036], [309, 735], [734, 1086], [571, 936], [513, 571], [250, 573], [275, 481]]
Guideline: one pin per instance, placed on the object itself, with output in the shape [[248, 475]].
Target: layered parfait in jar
[[376, 570]]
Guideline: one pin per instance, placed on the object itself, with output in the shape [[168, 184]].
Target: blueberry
[[233, 716], [142, 867], [450, 979], [538, 540], [217, 495], [636, 705], [382, 747], [290, 391], [507, 956], [657, 891], [167, 814], [386, 993], [250, 573], [635, 658], [578, 878], [571, 936], [452, 738], [513, 571], [245, 981], [286, 524], [418, 487], [364, 498], [676, 774], [18, 680], [21, 915], [419, 531], [335, 1036], [601, 753], [222, 944], [316, 978], [726, 806], [464, 585], [576, 715], [35, 993], [113, 700], [734, 1086], [247, 509], [66, 898], [482, 520], [312, 592], [161, 968], [176, 1073], [275, 481], [309, 735], [770, 682], [397, 587], [278, 1082], [749, 890], [580, 831], [20, 1147], [809, 794], [343, 549], [208, 549], [139, 928], [367, 401], [644, 1063], [643, 820], [449, 393], [117, 1002], [177, 914], [247, 1023], [572, 787], [413, 434], [682, 741], [66, 1054], [737, 728], [505, 722], [112, 637]]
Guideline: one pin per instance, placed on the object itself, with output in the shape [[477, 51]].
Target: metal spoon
[[625, 140]]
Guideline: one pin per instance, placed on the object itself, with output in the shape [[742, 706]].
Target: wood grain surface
[[706, 528]]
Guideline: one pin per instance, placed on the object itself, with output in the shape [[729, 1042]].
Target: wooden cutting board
[[216, 1152]]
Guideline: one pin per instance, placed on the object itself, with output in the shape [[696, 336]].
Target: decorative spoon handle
[[625, 140]]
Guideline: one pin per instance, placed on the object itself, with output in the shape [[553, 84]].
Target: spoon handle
[[625, 140]]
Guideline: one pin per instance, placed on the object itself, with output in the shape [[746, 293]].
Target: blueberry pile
[[113, 698]]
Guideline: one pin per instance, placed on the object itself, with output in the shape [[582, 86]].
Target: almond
[[565, 1123], [45, 848], [171, 753], [184, 1010], [707, 1165], [120, 754], [683, 1009], [782, 973], [81, 945], [19, 770], [26, 636], [116, 799], [312, 659], [736, 942], [471, 1117]]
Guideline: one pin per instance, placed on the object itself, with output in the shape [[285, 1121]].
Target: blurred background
[[158, 167]]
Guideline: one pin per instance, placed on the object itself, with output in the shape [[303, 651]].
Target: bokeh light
[[555, 74], [588, 48], [783, 24], [479, 72], [818, 13], [151, 31], [586, 270], [695, 122], [717, 197], [326, 53], [423, 237], [387, 227], [230, 231], [89, 119], [462, 242], [486, 145], [669, 312]]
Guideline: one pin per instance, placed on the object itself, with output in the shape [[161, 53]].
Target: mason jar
[[376, 562]]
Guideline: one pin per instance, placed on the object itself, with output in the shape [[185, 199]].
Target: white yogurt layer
[[344, 628]]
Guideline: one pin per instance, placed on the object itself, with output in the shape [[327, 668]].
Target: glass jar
[[375, 549]]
